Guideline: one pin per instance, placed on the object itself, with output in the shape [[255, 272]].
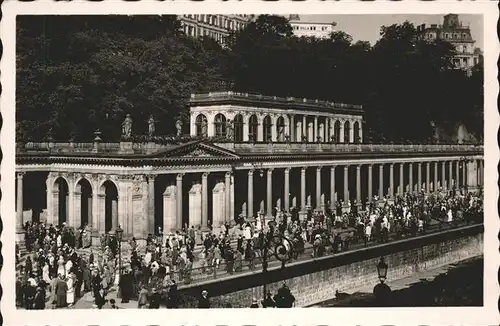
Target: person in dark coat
[[204, 302], [268, 302], [154, 299], [173, 297], [100, 298], [126, 286], [39, 303], [61, 292]]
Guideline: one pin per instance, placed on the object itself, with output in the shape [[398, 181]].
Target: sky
[[367, 27]]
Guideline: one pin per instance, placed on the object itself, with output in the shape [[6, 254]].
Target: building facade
[[454, 32], [311, 29], [212, 178], [217, 27]]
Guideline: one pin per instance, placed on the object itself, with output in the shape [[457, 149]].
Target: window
[[201, 126], [253, 125], [347, 127], [220, 125], [238, 128], [280, 129], [268, 126]]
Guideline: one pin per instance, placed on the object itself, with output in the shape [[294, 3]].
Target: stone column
[[351, 132], [443, 176], [436, 176], [332, 129], [204, 200], [358, 184], [410, 177], [19, 211], [304, 127], [260, 128], [269, 201], [341, 132], [274, 132], [291, 127], [381, 180], [457, 181], [360, 132], [370, 181], [318, 187], [227, 190], [287, 189], [178, 220], [427, 176], [250, 195], [151, 203], [71, 200], [246, 127], [451, 184], [315, 132], [303, 189], [464, 174], [419, 177], [346, 184], [391, 179], [332, 187], [49, 184], [401, 179]]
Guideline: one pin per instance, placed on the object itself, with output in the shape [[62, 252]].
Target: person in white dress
[[59, 241], [70, 293], [60, 267], [45, 273], [247, 233]]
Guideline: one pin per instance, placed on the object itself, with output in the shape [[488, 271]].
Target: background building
[[217, 27], [453, 31], [310, 29]]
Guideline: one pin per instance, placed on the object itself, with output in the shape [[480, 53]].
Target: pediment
[[196, 150]]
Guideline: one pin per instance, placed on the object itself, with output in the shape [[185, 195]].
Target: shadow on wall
[[459, 134]]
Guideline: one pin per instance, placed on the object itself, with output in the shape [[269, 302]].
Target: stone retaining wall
[[317, 280]]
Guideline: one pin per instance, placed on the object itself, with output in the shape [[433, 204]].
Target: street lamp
[[382, 291], [119, 235], [382, 270]]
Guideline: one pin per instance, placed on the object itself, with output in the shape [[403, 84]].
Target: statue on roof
[[229, 129], [178, 126], [204, 127], [151, 126], [127, 126]]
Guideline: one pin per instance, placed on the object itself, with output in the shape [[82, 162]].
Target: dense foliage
[[76, 74]]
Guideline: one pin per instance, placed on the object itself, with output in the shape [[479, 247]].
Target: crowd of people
[[60, 264]]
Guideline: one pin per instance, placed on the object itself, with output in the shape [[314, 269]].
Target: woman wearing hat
[[255, 303], [204, 302]]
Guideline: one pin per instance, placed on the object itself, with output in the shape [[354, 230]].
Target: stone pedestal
[[195, 205], [218, 204], [126, 147], [169, 209], [20, 239]]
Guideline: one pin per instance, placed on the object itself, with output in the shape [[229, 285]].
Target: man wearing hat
[[204, 302], [254, 304]]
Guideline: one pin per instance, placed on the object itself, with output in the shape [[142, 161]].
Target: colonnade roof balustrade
[[257, 100], [150, 153]]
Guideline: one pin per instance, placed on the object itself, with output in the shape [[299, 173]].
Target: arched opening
[[220, 125], [110, 205], [84, 191], [356, 132], [280, 129], [336, 131], [62, 193], [267, 129], [238, 128], [253, 125], [347, 127], [201, 125]]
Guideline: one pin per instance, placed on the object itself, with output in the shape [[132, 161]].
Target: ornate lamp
[[119, 233], [382, 270]]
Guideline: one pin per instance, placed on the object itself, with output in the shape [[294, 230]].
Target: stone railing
[[218, 96], [349, 148]]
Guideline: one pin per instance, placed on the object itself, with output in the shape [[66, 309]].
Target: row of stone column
[[472, 180]]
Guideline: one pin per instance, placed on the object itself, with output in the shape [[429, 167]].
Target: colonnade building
[[246, 155]]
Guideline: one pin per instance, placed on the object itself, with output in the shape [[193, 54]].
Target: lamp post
[[281, 248], [119, 235], [382, 291]]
